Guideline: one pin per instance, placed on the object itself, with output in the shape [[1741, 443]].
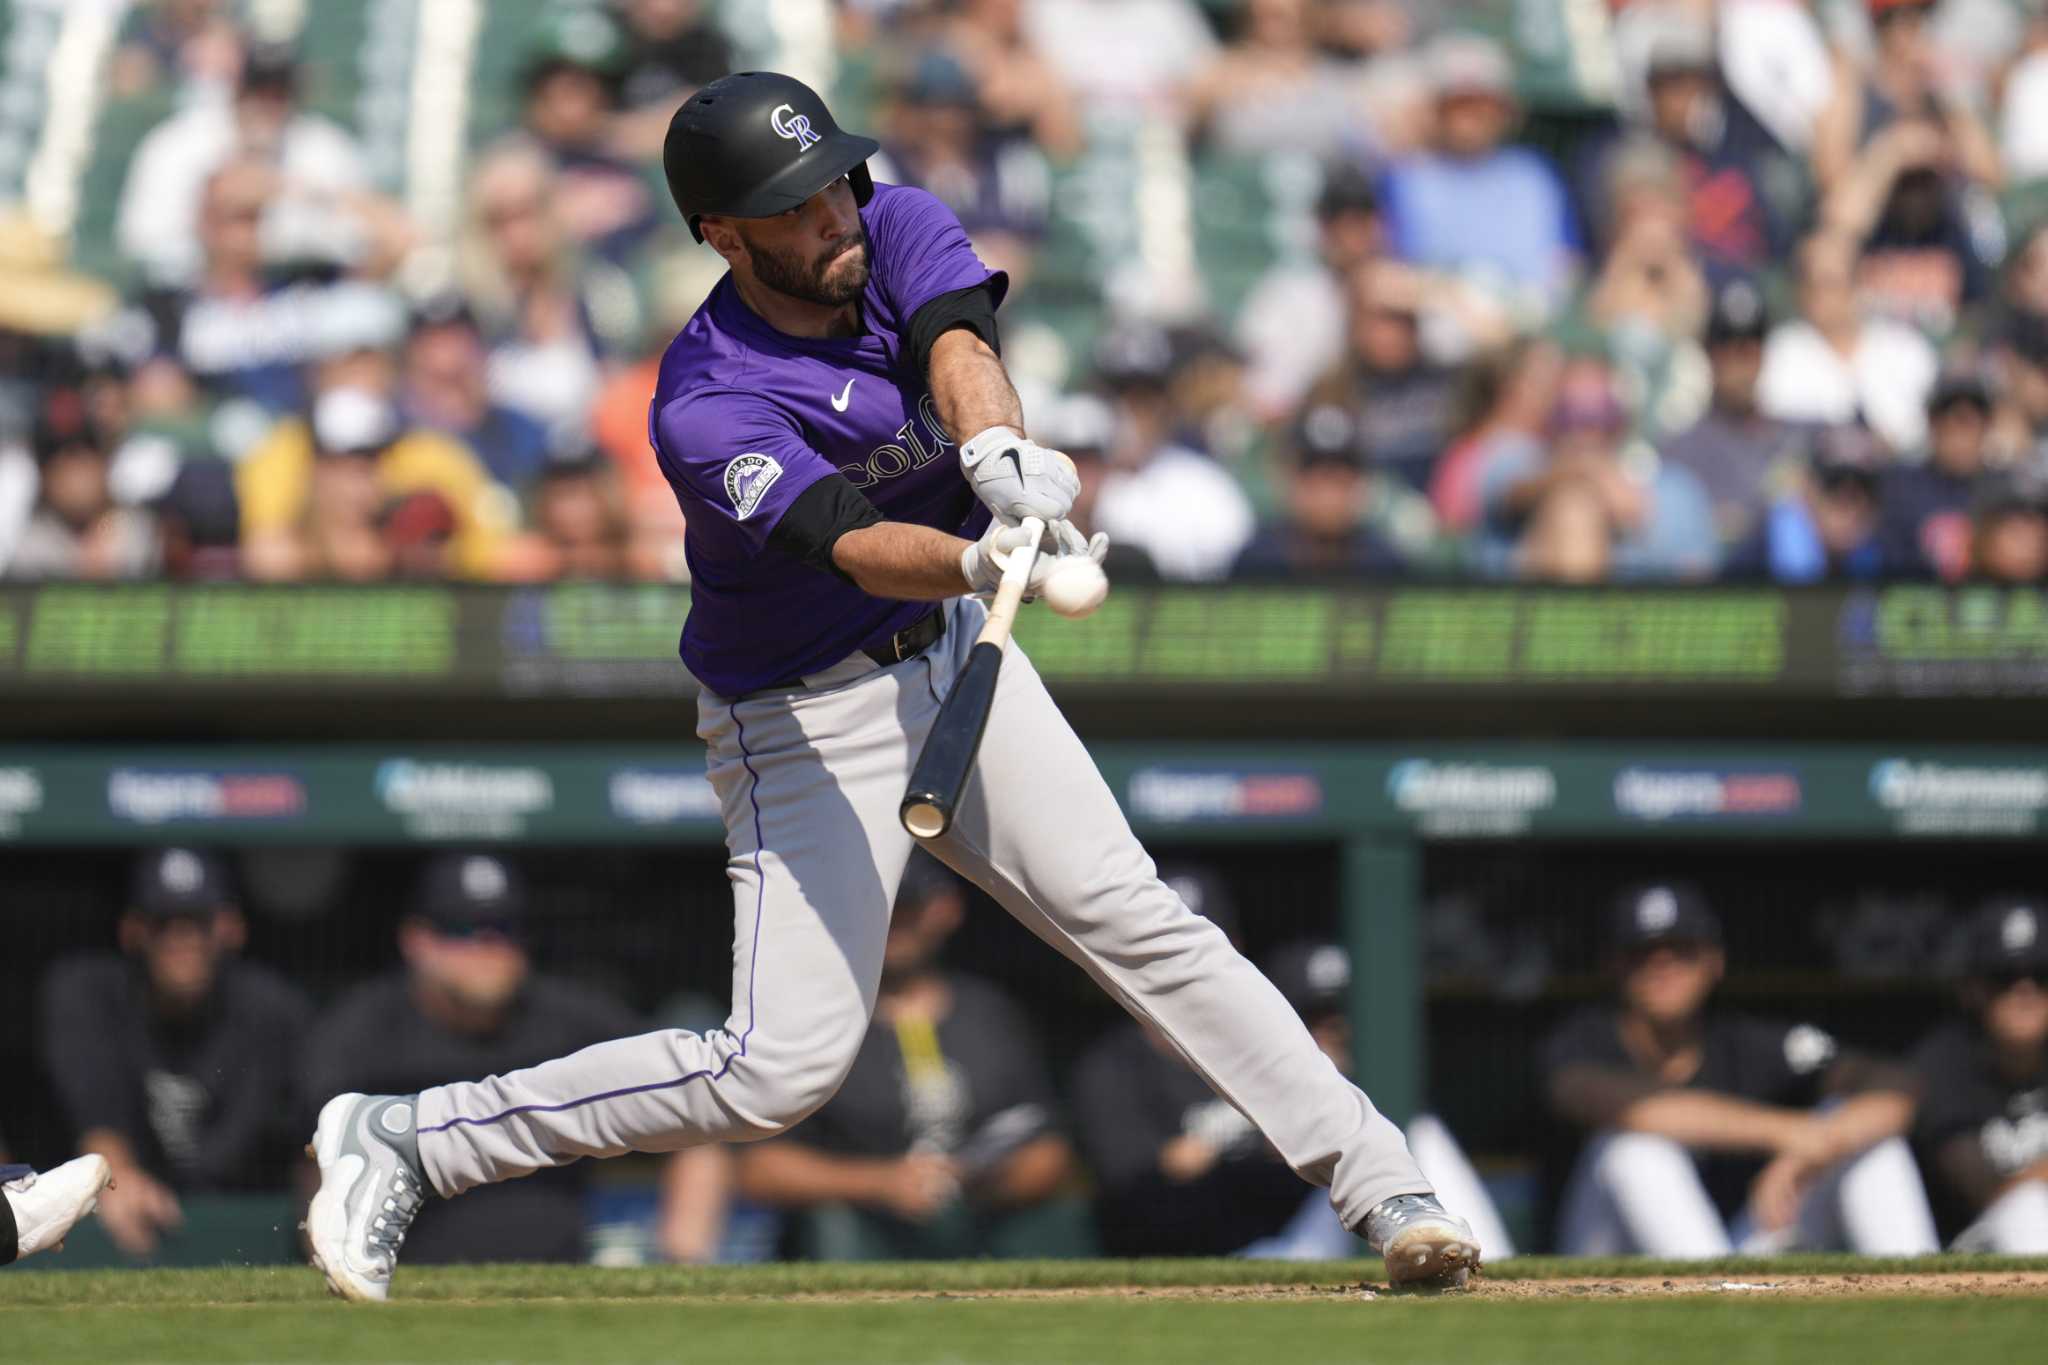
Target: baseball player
[[1982, 1126], [38, 1211], [850, 458]]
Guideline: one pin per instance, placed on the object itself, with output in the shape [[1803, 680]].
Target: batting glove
[[981, 563], [1015, 477]]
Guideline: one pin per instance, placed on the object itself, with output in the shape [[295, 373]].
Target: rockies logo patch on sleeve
[[747, 480]]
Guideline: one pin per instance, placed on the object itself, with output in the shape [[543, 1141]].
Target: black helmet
[[755, 144]]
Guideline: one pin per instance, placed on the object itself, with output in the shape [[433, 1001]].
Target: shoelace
[[388, 1229]]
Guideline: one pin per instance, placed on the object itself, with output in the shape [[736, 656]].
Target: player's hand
[[1779, 1189], [918, 1186], [1188, 1157], [981, 563], [137, 1209], [1015, 477], [1068, 540]]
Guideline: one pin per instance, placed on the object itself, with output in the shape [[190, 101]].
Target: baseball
[[1075, 587]]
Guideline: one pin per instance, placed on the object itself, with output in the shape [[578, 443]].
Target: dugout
[[1455, 780]]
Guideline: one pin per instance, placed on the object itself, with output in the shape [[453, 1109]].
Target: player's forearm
[[791, 1175], [970, 388], [1715, 1122], [1865, 1120], [112, 1145], [1031, 1174], [903, 561]]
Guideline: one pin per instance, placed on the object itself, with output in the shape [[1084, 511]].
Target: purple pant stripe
[[753, 958]]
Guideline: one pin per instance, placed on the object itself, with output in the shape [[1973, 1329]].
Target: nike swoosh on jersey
[[843, 397]]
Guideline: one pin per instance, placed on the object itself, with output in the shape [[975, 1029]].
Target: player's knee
[[1619, 1156], [781, 1087]]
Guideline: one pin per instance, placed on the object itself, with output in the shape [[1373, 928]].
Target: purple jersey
[[745, 418]]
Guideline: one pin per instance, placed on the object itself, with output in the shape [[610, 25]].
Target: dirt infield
[[1997, 1284]]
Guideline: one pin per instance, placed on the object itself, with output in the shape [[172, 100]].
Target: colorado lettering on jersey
[[918, 442]]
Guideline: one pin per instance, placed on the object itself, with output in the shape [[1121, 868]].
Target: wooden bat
[[940, 774]]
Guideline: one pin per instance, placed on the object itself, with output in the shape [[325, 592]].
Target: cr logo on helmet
[[792, 125]]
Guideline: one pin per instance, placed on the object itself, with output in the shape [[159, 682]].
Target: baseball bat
[[948, 755]]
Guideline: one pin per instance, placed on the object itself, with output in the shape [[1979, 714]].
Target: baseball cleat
[[1425, 1246], [371, 1188], [47, 1205]]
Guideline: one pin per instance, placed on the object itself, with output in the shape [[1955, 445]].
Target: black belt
[[906, 643], [912, 640]]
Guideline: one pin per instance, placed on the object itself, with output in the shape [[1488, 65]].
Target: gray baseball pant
[[809, 781]]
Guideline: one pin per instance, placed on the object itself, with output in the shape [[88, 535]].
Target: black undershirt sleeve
[[973, 308], [822, 513]]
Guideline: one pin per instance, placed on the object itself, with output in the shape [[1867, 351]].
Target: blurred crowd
[[1666, 1121], [1683, 290]]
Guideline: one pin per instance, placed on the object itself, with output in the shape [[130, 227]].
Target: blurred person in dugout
[[1704, 1131], [1180, 1172], [944, 1140], [173, 1058], [1982, 1127], [466, 1001]]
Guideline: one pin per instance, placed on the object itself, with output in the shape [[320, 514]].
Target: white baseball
[[1075, 587]]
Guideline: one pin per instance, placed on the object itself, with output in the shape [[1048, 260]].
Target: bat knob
[[923, 816]]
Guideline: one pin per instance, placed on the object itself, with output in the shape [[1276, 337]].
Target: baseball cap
[[1954, 386], [1662, 912], [1467, 64], [582, 38], [1847, 454], [1314, 976], [1346, 189], [1203, 892], [2020, 488], [1134, 355], [1327, 433], [2008, 934], [470, 893], [1737, 313], [270, 66], [1079, 424], [938, 80], [64, 422], [351, 421], [1682, 46], [172, 882]]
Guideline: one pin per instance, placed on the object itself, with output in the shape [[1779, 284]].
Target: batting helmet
[[755, 144]]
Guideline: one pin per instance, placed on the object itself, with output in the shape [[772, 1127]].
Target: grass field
[[1812, 1310]]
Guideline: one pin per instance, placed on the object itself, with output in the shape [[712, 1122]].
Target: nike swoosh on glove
[[1015, 477]]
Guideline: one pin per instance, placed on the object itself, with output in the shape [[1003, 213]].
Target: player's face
[[1670, 982], [2016, 1015], [817, 253]]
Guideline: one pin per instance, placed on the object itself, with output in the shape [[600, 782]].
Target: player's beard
[[785, 273]]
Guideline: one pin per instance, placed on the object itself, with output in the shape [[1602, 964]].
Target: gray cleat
[[371, 1187], [1425, 1247]]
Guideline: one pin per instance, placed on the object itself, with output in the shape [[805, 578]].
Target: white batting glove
[[1068, 540], [982, 562], [1015, 477]]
